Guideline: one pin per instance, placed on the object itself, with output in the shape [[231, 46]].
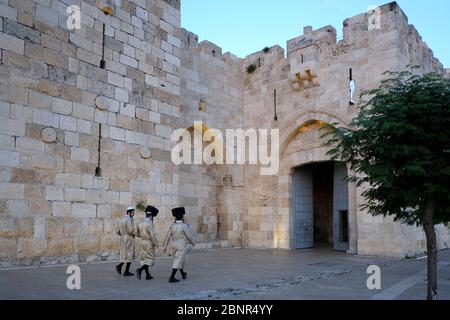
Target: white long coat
[[125, 229], [179, 236], [148, 242]]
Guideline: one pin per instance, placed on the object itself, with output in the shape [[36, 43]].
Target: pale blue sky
[[246, 26]]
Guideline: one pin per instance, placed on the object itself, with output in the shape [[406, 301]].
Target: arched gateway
[[313, 192]]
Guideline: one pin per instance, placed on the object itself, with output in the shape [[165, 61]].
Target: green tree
[[399, 146]]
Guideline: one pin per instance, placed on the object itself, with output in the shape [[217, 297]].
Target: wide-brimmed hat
[[179, 212], [151, 209]]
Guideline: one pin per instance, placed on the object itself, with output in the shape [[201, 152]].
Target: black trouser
[[174, 271], [127, 268], [145, 268]]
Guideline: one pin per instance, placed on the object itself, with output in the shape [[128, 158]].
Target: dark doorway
[[320, 200], [323, 203]]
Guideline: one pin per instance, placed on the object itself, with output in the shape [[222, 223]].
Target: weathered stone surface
[[40, 207], [155, 76], [61, 209], [20, 31], [145, 153], [12, 191], [30, 248], [80, 210], [54, 227], [8, 227], [48, 135], [11, 43], [60, 247], [23, 176], [54, 193], [8, 248]]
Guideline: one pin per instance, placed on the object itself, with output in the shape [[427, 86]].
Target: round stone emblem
[[145, 153], [100, 103], [48, 135]]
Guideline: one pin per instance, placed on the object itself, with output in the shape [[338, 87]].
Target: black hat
[[150, 209], [178, 212]]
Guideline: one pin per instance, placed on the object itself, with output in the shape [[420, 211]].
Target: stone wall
[[210, 93], [54, 96], [323, 96], [53, 208]]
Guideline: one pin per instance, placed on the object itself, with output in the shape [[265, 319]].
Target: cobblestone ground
[[237, 274]]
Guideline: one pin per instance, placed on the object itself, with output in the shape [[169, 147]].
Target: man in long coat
[[126, 230], [180, 236], [149, 241]]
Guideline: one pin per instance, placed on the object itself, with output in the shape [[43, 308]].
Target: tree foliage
[[399, 145]]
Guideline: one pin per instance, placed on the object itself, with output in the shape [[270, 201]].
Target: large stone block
[[12, 191], [96, 196], [53, 193], [17, 208], [79, 154], [87, 246], [61, 106], [109, 242], [39, 161], [12, 44], [31, 248], [12, 127], [82, 210], [60, 247], [8, 227], [73, 227], [8, 248], [21, 31], [40, 207], [61, 209], [9, 158], [46, 118], [23, 176], [73, 195], [54, 227], [68, 180]]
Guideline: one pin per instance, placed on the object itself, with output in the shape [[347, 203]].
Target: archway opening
[[320, 201]]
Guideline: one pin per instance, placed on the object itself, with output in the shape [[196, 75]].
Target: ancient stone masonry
[[57, 103], [54, 96]]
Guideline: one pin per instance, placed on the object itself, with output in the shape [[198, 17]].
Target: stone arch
[[284, 229], [201, 128], [304, 118]]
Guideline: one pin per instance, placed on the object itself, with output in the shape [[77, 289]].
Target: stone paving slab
[[232, 274]]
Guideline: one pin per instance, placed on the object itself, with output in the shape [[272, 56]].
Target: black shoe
[[184, 275], [149, 277], [173, 280], [128, 274], [119, 269], [139, 274]]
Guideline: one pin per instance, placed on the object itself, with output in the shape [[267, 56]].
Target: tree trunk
[[428, 226]]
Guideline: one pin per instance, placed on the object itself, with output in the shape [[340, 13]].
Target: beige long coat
[[126, 230], [148, 242], [179, 236]]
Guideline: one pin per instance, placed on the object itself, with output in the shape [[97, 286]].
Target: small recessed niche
[[202, 105]]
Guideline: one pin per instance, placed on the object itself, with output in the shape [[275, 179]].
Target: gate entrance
[[320, 196]]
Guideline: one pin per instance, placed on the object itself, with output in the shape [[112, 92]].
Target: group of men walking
[[179, 236]]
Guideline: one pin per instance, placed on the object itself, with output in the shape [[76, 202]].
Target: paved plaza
[[238, 274]]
